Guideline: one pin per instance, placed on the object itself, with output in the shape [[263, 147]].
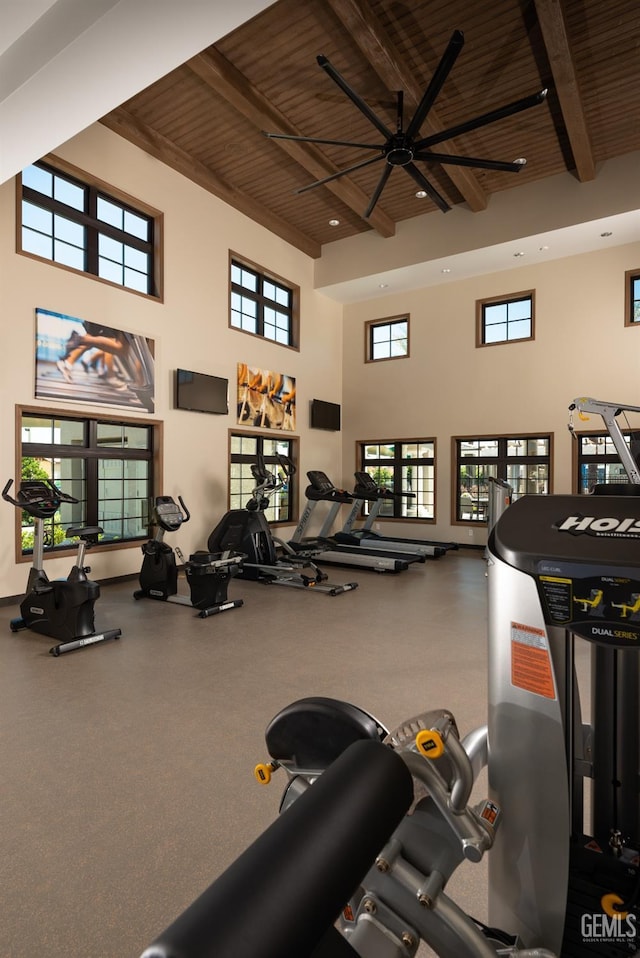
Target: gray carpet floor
[[127, 767]]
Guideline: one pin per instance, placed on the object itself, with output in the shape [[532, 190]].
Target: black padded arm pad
[[282, 894]]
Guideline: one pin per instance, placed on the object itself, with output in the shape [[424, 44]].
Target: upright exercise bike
[[208, 573], [60, 608]]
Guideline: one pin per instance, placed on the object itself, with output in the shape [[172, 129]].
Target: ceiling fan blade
[[425, 185], [316, 139], [334, 176], [353, 96], [516, 107], [470, 161], [443, 69], [386, 173]]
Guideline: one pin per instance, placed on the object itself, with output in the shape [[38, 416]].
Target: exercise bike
[[60, 608], [208, 573], [247, 530]]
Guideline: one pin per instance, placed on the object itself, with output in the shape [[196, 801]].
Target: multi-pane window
[[505, 319], [522, 461], [107, 465], [263, 304], [632, 297], [406, 466], [245, 450], [596, 459], [387, 338], [79, 225]]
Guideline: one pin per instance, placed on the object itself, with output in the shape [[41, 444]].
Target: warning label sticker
[[530, 661]]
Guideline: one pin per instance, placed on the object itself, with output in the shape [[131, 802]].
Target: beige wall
[[190, 330], [447, 387]]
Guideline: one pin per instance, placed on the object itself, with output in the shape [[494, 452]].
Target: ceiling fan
[[403, 148]]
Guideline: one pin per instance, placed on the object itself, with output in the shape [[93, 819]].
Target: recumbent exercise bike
[[208, 573]]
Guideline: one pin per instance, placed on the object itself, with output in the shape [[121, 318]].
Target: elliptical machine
[[208, 573], [60, 608], [248, 531]]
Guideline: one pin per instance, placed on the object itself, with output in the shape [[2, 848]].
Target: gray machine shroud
[[562, 567]]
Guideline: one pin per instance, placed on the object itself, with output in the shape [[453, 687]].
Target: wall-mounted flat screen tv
[[200, 392], [325, 415]]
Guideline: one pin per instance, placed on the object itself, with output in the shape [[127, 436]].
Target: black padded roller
[[280, 897]]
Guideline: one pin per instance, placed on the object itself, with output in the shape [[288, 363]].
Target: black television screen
[[201, 393], [325, 415]]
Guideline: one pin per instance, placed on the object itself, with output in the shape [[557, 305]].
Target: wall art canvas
[[82, 361], [266, 399]]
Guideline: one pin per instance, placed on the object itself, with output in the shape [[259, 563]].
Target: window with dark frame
[[80, 225], [406, 466], [522, 461], [263, 304], [244, 451], [632, 298], [505, 319], [107, 464], [387, 339], [595, 459]]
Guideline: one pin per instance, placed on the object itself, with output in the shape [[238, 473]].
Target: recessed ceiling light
[[334, 222], [383, 285], [445, 269], [542, 248], [606, 234], [421, 194], [520, 253], [520, 161]]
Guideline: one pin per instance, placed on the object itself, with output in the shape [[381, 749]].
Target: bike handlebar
[[24, 502], [187, 514]]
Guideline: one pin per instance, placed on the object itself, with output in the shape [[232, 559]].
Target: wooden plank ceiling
[[207, 118]]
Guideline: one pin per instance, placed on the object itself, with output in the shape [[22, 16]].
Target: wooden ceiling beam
[[554, 35], [367, 32], [222, 77], [154, 143]]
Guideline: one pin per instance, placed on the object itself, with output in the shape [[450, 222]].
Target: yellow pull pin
[[429, 743], [263, 772]]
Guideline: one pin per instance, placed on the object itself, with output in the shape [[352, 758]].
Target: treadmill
[[325, 548], [366, 490]]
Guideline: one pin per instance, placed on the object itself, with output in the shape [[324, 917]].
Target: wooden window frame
[[88, 219], [503, 459], [629, 277], [395, 465], [293, 482], [498, 300], [390, 321], [268, 275], [155, 460]]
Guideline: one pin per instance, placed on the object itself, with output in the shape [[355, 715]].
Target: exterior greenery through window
[[632, 297], [406, 466], [596, 459], [387, 338], [79, 225], [106, 464], [263, 304], [245, 449], [522, 461], [505, 319]]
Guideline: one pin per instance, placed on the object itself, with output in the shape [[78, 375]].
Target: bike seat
[[84, 532], [312, 732]]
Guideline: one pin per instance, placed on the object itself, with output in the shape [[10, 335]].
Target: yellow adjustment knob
[[429, 743], [263, 773], [609, 903]]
